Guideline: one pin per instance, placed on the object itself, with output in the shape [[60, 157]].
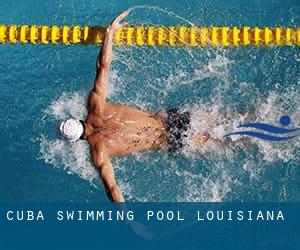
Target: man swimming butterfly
[[117, 130]]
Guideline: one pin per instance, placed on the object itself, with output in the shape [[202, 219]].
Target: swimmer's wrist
[[110, 30]]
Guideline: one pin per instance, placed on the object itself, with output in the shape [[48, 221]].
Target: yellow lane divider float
[[152, 36]]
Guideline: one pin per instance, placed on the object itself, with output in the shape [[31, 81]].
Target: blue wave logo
[[279, 133]]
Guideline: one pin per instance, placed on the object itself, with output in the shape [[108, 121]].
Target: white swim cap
[[70, 130]]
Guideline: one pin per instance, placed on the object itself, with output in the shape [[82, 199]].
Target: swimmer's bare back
[[123, 130], [113, 129]]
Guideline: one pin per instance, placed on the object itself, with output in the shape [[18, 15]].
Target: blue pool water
[[42, 84]]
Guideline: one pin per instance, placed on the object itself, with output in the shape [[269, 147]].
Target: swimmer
[[114, 130]]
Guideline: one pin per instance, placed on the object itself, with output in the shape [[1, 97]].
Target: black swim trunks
[[177, 125]]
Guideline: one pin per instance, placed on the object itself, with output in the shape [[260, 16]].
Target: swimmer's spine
[[152, 36]]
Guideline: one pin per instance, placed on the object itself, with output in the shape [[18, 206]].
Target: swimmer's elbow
[[105, 63], [99, 163]]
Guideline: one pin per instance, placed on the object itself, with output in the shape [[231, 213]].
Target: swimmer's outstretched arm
[[103, 164], [105, 56]]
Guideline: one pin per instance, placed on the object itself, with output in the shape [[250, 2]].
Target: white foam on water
[[216, 68], [72, 157], [213, 118], [68, 105], [218, 120], [200, 188]]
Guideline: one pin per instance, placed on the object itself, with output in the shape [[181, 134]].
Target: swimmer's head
[[70, 130]]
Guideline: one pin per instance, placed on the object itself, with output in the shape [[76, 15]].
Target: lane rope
[[152, 35]]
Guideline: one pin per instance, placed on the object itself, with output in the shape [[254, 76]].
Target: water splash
[[192, 185], [214, 84], [74, 158]]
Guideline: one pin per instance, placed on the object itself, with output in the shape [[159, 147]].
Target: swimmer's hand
[[115, 24]]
